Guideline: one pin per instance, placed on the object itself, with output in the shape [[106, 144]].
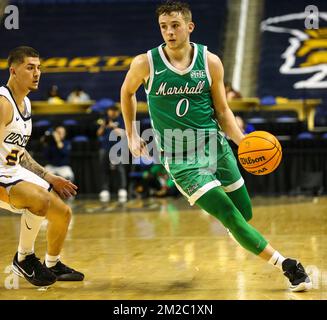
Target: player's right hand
[[62, 186], [138, 147]]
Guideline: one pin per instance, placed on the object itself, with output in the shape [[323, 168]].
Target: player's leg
[[217, 203], [122, 187], [38, 200], [104, 195], [228, 173], [241, 199], [201, 186], [34, 202], [58, 216]]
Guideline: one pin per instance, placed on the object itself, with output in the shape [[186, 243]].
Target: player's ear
[[191, 26], [12, 71]]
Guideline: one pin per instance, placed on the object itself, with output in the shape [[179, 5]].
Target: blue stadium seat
[[42, 123], [259, 123], [287, 125], [286, 119], [80, 138], [102, 105], [136, 174], [305, 136], [69, 122], [72, 127], [257, 120], [268, 101], [40, 127], [306, 140]]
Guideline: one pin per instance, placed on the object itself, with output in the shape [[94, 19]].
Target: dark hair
[[114, 107], [175, 6], [18, 54]]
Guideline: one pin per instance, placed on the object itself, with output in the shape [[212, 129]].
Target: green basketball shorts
[[197, 174]]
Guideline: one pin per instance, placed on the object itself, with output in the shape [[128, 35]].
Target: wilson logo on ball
[[249, 160]]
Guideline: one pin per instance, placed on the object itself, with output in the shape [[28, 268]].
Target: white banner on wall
[[307, 50]]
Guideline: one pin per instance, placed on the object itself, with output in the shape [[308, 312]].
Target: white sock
[[276, 260], [29, 228], [51, 261]]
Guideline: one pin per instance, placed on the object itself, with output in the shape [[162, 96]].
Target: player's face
[[113, 114], [28, 73], [61, 132], [175, 30]]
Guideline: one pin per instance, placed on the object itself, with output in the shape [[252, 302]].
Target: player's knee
[[231, 222], [41, 206], [67, 214], [247, 211], [229, 216]]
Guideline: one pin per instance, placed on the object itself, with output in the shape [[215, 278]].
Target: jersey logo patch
[[198, 74], [16, 138], [161, 71]]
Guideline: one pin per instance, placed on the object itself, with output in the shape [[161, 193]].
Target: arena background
[[91, 44]]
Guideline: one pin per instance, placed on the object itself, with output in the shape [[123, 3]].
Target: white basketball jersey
[[16, 135]]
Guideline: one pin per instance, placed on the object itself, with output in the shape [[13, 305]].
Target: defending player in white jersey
[[25, 186]]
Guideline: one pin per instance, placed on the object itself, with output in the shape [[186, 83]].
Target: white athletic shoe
[[122, 195], [297, 276], [104, 196]]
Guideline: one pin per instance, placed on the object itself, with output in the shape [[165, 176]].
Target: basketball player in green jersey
[[185, 91]]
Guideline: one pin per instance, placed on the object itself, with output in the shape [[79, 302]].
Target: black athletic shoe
[[64, 273], [33, 271], [296, 274]]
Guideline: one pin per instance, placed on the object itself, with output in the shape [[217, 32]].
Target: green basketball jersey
[[180, 102]]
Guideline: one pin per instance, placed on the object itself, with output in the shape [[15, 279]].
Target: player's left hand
[[62, 186]]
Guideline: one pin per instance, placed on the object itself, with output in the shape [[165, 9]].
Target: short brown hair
[[175, 6], [18, 54]]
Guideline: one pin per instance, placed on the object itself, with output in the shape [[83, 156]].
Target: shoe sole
[[303, 286], [32, 281], [16, 271], [70, 277]]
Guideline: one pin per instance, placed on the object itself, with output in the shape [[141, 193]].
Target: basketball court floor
[[165, 249]]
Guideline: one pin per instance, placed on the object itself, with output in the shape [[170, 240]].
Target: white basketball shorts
[[7, 181]]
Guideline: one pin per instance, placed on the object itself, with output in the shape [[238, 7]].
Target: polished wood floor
[[165, 249]]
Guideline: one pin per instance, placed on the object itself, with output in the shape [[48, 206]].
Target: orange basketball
[[260, 153]]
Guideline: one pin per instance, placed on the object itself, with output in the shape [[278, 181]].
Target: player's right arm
[[137, 75], [62, 186], [6, 114], [224, 114]]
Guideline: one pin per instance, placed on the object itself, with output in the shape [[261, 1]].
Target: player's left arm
[[224, 114], [63, 187]]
